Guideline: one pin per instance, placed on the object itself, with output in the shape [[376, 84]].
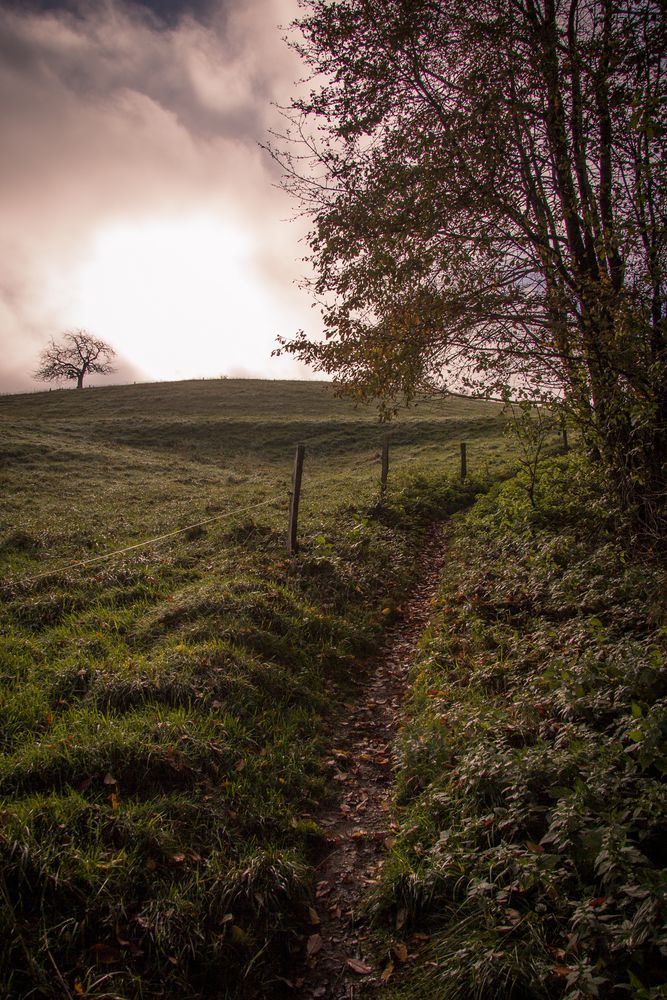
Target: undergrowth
[[532, 798]]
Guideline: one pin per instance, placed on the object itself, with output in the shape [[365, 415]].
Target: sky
[[135, 200]]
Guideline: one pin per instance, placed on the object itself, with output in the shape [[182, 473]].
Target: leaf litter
[[338, 961]]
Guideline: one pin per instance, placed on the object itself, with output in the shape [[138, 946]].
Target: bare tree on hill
[[76, 355]]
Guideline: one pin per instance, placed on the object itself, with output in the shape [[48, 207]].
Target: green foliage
[[532, 795]]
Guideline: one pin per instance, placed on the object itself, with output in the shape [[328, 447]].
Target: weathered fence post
[[294, 499], [384, 472], [566, 446], [464, 461]]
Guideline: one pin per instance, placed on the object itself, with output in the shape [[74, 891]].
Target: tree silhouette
[[76, 355]]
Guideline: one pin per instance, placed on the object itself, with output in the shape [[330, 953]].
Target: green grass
[[532, 798], [87, 471], [164, 712]]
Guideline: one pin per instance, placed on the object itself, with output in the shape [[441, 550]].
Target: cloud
[[115, 119]]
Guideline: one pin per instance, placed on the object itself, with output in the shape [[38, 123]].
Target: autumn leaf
[[562, 971], [313, 945], [107, 954], [314, 916], [115, 801], [399, 951], [109, 779], [359, 967], [387, 972]]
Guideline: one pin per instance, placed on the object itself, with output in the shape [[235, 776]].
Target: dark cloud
[[162, 12], [204, 74]]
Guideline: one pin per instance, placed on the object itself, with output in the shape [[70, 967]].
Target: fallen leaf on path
[[313, 945], [399, 951], [359, 967], [387, 972]]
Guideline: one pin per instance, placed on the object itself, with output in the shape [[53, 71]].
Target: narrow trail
[[362, 764]]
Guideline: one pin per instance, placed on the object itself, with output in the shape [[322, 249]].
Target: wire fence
[[148, 541], [315, 450]]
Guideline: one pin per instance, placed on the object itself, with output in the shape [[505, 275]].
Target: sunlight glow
[[179, 298]]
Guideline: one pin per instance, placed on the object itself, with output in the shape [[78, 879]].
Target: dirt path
[[363, 765]]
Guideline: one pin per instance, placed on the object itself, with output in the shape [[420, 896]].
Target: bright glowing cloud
[[181, 297], [135, 200]]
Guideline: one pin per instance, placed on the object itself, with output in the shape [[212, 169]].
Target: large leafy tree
[[77, 354], [488, 195]]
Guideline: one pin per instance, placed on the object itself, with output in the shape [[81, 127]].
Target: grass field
[[89, 470], [164, 712]]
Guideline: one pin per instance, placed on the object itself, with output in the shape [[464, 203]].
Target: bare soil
[[339, 962]]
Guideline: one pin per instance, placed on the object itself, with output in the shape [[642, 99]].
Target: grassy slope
[[163, 712], [532, 803], [84, 470]]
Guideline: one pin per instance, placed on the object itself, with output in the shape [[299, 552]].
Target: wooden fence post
[[464, 461], [294, 499], [566, 445], [384, 473]]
